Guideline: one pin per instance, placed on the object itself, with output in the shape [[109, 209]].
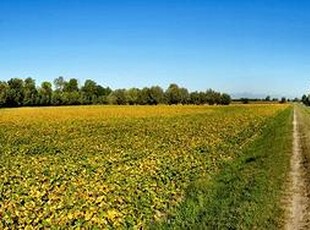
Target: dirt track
[[297, 198]]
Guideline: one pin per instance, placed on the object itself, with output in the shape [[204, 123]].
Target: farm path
[[297, 201]]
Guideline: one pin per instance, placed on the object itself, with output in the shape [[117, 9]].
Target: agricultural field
[[115, 166]]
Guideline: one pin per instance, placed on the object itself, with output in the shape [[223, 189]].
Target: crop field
[[114, 166]]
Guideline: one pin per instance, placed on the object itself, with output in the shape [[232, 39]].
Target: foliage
[[17, 92], [225, 99], [305, 100], [173, 94], [244, 100], [30, 92], [283, 100], [113, 166]]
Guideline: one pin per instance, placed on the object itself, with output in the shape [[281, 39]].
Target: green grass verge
[[246, 193]]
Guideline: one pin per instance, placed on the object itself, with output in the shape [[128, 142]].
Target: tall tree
[[210, 97], [30, 92], [71, 86], [89, 92], [102, 94], [283, 100], [4, 88], [45, 93], [15, 94], [173, 94], [194, 98], [132, 96], [184, 96], [117, 97], [203, 98], [157, 95], [144, 96], [59, 83], [225, 99], [71, 98], [305, 99]]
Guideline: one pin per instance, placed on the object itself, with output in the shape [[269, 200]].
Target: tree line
[[18, 92], [283, 100]]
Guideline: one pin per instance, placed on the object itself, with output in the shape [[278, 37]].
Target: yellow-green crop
[[113, 167]]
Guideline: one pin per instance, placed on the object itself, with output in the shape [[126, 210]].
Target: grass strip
[[247, 192]]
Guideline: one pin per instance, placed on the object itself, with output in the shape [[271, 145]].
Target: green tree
[[4, 88], [15, 93], [195, 98], [71, 98], [117, 97], [89, 92], [225, 99], [45, 93], [283, 100], [30, 92], [275, 99], [57, 97], [59, 83], [71, 94], [305, 100], [173, 94], [144, 96], [71, 86], [132, 96], [202, 98], [102, 94], [184, 96], [157, 95], [210, 97], [151, 96], [245, 100], [213, 97]]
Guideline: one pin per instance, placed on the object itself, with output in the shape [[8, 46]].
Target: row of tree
[[18, 92], [267, 99]]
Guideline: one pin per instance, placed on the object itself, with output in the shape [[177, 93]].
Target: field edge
[[247, 193]]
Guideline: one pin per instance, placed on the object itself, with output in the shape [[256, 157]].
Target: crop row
[[113, 167]]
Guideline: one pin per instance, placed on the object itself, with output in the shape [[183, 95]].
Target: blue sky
[[236, 46]]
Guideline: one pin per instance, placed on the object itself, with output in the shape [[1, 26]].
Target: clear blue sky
[[236, 46]]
